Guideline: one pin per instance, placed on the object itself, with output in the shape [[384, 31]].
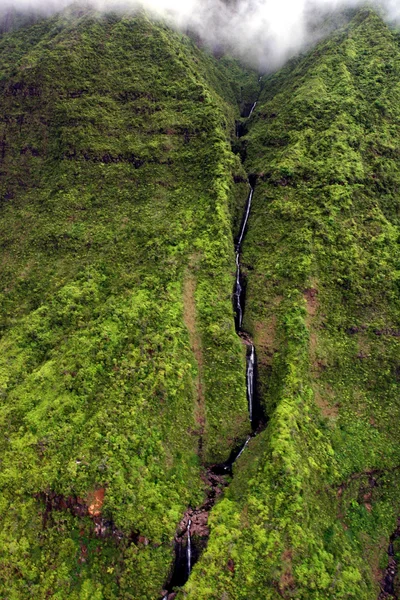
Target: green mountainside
[[122, 379], [119, 359], [311, 509]]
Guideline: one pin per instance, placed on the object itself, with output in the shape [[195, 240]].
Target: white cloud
[[266, 32]]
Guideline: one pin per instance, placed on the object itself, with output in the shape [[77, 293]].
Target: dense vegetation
[[119, 362], [316, 497], [121, 376]]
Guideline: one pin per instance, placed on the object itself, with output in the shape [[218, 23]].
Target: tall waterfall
[[252, 109], [183, 567], [237, 293], [189, 548], [250, 381]]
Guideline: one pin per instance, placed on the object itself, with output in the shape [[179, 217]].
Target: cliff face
[[121, 375], [315, 499], [119, 358]]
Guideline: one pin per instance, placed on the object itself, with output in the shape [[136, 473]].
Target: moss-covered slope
[[316, 495], [118, 358]]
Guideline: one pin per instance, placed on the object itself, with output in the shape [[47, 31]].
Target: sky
[[264, 32]]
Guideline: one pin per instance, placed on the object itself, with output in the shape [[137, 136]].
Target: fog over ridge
[[265, 32]]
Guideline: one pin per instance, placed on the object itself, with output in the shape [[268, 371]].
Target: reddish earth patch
[[231, 565], [311, 298], [325, 400], [94, 501], [286, 580], [264, 339], [312, 305], [78, 507]]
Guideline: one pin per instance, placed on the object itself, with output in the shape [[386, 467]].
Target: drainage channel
[[194, 522], [389, 585]]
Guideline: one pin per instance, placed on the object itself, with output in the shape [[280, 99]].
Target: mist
[[264, 33]]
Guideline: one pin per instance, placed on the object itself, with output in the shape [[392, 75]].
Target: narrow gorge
[[192, 535]]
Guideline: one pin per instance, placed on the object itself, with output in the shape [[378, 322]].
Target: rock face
[[390, 585]]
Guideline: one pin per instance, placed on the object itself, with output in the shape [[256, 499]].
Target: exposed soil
[[90, 507], [95, 500], [311, 298], [325, 400], [189, 317]]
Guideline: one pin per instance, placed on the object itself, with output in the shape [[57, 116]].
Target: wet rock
[[388, 582]]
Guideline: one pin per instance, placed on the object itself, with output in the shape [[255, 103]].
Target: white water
[[189, 548], [238, 293], [243, 447], [250, 381], [246, 218], [252, 109], [238, 288]]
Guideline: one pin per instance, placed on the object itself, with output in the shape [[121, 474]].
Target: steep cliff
[[315, 498], [121, 373]]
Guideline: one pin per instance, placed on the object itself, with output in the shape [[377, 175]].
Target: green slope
[[121, 375], [119, 362], [316, 496]]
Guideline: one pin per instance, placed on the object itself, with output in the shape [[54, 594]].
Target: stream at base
[[389, 583], [192, 534]]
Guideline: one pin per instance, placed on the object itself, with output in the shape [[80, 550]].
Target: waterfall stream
[[237, 294], [250, 381], [238, 290], [189, 548], [252, 109], [244, 446], [216, 474]]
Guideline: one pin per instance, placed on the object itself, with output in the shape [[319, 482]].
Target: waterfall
[[243, 447], [246, 218], [181, 571], [252, 109], [250, 381], [189, 548], [237, 294]]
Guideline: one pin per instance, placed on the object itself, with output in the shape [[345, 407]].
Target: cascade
[[250, 381], [237, 294], [244, 446], [252, 109], [189, 548], [217, 473], [238, 290]]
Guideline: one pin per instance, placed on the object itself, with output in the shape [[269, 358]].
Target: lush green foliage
[[119, 366], [316, 496], [116, 187]]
